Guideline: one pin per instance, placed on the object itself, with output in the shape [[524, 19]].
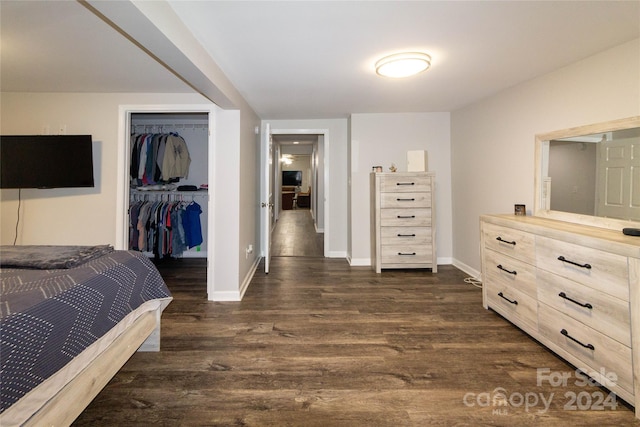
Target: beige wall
[[492, 141], [382, 139]]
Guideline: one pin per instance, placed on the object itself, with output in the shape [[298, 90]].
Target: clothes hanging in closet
[[158, 158], [165, 228]]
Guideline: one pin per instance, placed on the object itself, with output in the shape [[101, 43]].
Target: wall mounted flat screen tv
[[292, 178], [46, 161]]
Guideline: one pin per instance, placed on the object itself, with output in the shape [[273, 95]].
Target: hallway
[[295, 235]]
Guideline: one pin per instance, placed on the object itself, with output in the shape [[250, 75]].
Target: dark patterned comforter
[[47, 317]]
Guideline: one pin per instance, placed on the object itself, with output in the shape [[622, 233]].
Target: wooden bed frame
[[68, 403]]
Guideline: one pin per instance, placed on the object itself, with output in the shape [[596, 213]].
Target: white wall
[[493, 140], [336, 159], [383, 139]]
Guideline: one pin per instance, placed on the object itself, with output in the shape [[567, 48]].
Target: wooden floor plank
[[318, 343]]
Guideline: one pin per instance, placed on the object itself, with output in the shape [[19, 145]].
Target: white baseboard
[[467, 269], [359, 262], [337, 254], [225, 296], [248, 277]]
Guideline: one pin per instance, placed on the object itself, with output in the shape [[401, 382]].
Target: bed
[[70, 318]]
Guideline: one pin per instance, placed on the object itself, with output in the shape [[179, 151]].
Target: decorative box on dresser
[[574, 288], [403, 228]]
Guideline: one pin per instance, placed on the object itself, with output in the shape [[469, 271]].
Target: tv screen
[[46, 161], [292, 178]]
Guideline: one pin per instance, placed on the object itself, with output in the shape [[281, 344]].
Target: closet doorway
[[300, 228], [193, 125]]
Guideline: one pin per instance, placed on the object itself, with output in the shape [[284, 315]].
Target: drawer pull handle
[[406, 216], [406, 235], [586, 305], [514, 302], [406, 200], [508, 271], [500, 239], [566, 334], [406, 254], [563, 259], [405, 183]]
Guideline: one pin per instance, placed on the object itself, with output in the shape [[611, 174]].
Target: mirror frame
[[539, 206]]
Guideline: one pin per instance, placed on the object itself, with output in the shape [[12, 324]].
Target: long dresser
[[403, 229], [574, 288]]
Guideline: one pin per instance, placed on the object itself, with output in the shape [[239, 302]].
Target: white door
[[619, 179], [266, 194]]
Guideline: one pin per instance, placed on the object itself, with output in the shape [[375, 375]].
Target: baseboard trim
[[467, 269], [248, 277], [359, 262]]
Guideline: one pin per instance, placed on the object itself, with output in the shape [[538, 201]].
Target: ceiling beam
[[158, 31]]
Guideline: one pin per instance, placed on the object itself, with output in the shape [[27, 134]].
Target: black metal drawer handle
[[405, 183], [563, 259], [406, 200], [500, 239], [504, 269], [406, 216], [514, 302], [566, 334], [586, 305], [406, 235], [406, 254]]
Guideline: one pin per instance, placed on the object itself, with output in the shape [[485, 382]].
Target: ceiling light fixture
[[403, 64]]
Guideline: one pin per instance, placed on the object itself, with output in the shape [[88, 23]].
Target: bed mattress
[[48, 318]]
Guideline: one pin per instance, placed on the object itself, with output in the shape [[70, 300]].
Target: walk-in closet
[[168, 184]]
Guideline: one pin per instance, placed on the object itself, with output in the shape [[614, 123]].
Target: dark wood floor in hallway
[[318, 343], [295, 235]]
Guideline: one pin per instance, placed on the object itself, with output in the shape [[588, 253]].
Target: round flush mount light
[[403, 64]]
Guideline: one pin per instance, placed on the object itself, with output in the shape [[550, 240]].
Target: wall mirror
[[590, 174]]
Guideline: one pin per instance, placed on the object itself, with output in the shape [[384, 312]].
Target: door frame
[[325, 181], [123, 158]]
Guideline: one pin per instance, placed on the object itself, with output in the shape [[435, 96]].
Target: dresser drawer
[[516, 306], [412, 217], [515, 243], [507, 272], [405, 200], [407, 254], [604, 353], [402, 183], [600, 270], [598, 310], [405, 235]]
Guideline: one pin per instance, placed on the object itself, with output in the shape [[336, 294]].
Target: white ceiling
[[309, 60]]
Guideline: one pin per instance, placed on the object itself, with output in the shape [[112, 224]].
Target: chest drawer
[[598, 310], [597, 269], [592, 348], [409, 254], [513, 304], [404, 183], [405, 200], [413, 217], [515, 243], [507, 272], [405, 235]]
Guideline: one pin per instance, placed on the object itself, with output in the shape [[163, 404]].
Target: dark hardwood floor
[[317, 343], [295, 235]]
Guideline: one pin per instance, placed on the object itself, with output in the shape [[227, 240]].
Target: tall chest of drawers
[[574, 288], [403, 229]]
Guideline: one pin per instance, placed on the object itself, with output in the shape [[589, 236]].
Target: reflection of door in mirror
[[619, 179]]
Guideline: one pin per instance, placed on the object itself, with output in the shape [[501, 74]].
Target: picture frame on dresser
[[569, 278]]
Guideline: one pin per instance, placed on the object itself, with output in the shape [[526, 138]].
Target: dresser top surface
[[600, 238]]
